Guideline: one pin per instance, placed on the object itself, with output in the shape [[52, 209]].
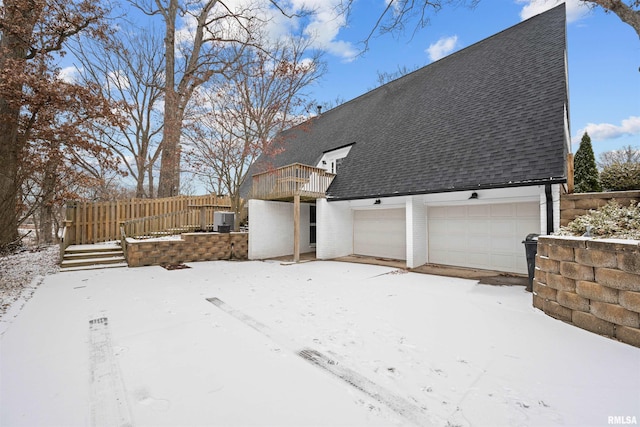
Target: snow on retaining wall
[[591, 283], [573, 205], [189, 248]]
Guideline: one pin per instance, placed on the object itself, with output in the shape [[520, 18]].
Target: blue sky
[[603, 55], [603, 60]]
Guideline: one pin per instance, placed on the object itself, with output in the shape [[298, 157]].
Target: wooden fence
[[100, 222]]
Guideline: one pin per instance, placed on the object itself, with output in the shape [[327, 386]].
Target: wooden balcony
[[285, 183]]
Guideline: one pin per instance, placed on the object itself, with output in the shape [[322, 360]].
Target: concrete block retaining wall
[[593, 284], [573, 205], [189, 248]]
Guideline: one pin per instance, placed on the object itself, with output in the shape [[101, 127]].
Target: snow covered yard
[[318, 343], [20, 275]]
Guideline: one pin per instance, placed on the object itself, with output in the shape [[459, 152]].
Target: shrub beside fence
[[97, 222]]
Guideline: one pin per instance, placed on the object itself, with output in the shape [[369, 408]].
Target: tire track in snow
[[109, 406], [396, 403]]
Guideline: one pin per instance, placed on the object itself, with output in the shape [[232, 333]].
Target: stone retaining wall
[[593, 284], [573, 205], [189, 248]]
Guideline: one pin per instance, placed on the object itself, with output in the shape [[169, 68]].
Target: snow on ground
[[20, 275], [317, 343]]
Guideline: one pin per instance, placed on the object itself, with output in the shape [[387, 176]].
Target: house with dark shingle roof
[[453, 164]]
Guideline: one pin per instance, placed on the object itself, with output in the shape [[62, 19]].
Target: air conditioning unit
[[223, 221]]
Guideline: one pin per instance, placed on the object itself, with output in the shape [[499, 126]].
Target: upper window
[[332, 159]]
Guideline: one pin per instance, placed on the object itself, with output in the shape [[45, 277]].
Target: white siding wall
[[416, 231], [271, 229], [334, 229]]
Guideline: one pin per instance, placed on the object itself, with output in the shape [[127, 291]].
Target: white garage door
[[482, 236], [380, 233]]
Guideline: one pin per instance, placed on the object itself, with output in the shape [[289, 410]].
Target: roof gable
[[490, 115]]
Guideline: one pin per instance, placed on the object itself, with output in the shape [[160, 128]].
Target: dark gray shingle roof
[[490, 115]]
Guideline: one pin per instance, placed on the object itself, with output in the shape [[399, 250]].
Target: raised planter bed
[[188, 247], [591, 283]]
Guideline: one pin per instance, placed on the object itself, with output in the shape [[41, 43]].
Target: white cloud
[[322, 23], [606, 131], [68, 74], [576, 9], [442, 47], [323, 26], [119, 79]]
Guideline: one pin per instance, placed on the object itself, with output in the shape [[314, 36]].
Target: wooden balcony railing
[[284, 183]]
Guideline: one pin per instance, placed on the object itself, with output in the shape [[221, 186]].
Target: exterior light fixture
[[474, 195], [377, 202]]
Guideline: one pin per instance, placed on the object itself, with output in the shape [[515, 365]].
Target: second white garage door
[[380, 233], [482, 236]]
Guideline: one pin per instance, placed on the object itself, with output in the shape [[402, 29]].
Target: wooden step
[[75, 249], [93, 261], [88, 255], [93, 256], [93, 267]]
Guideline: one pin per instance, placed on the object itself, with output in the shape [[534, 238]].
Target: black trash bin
[[224, 229], [531, 249]]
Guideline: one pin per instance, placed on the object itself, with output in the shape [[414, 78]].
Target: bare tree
[[628, 12], [626, 154], [193, 54], [129, 67], [386, 77], [241, 116]]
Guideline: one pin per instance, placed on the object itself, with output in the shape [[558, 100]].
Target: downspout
[[549, 196]]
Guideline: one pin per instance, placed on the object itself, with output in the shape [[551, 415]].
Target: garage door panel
[[528, 210], [456, 211], [502, 210], [479, 226], [456, 227], [458, 257], [439, 240], [503, 261], [521, 263], [503, 227], [528, 226], [478, 259], [455, 242], [380, 233], [438, 258], [502, 244], [438, 212], [482, 236], [439, 226], [477, 243], [478, 211]]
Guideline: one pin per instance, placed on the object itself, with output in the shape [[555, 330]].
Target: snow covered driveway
[[318, 343]]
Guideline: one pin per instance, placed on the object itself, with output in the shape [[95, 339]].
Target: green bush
[[609, 221], [621, 177]]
